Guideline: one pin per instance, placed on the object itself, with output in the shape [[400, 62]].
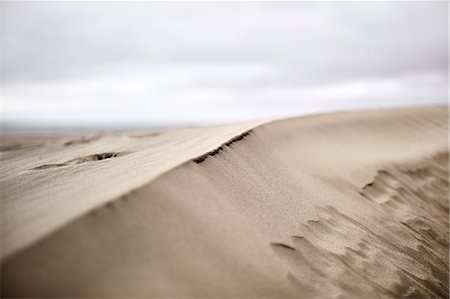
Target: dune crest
[[350, 204]]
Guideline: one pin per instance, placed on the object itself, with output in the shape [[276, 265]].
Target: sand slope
[[349, 204], [47, 183]]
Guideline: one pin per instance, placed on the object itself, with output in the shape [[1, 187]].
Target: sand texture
[[342, 205]]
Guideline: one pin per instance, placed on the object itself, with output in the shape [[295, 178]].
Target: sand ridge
[[348, 204], [80, 177]]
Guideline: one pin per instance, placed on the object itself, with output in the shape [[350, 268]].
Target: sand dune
[[344, 205]]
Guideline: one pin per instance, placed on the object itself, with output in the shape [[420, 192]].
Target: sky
[[177, 63]]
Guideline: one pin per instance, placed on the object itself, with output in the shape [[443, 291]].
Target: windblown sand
[[351, 205]]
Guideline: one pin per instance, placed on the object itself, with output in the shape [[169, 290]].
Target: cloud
[[127, 62]]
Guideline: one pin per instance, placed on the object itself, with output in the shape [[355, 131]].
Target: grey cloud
[[51, 39], [234, 50]]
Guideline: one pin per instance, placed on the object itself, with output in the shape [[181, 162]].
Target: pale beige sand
[[350, 204], [49, 183]]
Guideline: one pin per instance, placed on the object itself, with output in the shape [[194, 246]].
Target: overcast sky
[[166, 63]]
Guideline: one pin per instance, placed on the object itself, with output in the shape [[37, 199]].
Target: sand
[[349, 204]]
